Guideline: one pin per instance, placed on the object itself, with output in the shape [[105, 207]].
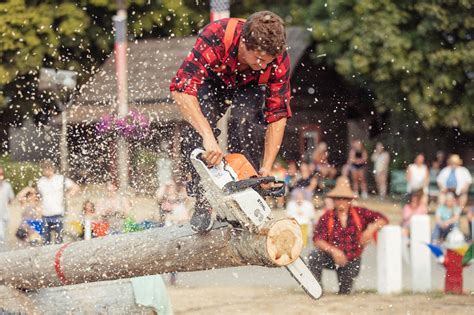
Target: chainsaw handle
[[200, 157], [275, 191], [255, 183]]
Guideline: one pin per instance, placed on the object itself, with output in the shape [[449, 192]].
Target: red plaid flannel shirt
[[209, 54], [346, 239]]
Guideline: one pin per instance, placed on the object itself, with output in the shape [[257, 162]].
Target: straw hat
[[342, 189], [455, 159]]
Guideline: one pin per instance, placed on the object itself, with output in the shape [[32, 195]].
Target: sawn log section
[[155, 251]]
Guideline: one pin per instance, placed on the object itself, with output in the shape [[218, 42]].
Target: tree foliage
[[408, 53], [74, 35]]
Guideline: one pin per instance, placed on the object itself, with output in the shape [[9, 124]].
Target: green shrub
[[20, 174]]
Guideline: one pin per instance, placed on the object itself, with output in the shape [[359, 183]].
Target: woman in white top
[[418, 175]]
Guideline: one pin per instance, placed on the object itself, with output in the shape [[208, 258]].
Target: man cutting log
[[238, 64]]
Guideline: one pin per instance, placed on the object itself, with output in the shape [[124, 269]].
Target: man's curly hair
[[265, 31]]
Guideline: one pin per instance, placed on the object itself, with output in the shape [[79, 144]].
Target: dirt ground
[[258, 300]]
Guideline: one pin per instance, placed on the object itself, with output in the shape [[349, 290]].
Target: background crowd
[[440, 188]]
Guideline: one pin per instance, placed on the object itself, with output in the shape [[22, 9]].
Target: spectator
[[470, 220], [6, 198], [114, 208], [358, 161], [308, 181], [179, 212], [341, 235], [292, 175], [31, 225], [53, 189], [88, 218], [321, 163], [447, 217], [302, 211], [415, 206], [455, 178], [381, 160], [441, 159], [166, 197], [434, 169], [418, 176]]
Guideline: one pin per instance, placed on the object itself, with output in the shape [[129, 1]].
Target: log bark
[[155, 251]]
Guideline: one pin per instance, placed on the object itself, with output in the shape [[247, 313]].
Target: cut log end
[[284, 242]]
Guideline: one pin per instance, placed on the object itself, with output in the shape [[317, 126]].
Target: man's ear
[[242, 44]]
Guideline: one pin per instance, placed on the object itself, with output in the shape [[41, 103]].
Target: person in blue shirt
[[447, 216]]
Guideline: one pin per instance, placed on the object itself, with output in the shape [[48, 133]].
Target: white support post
[[420, 232], [389, 260]]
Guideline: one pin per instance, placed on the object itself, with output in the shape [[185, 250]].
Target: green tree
[[408, 53], [74, 35]]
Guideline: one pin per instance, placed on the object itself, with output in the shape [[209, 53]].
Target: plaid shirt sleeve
[[206, 54], [368, 216], [277, 103]]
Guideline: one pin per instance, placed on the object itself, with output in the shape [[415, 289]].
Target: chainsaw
[[241, 202]]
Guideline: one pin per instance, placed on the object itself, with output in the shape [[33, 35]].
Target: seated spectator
[[307, 181], [179, 214], [321, 163], [31, 223], [91, 225], [302, 211], [455, 178], [447, 216], [341, 235], [292, 175], [415, 206], [470, 220], [418, 175], [114, 208], [438, 163], [166, 196]]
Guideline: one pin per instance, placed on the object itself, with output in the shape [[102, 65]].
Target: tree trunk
[[155, 251]]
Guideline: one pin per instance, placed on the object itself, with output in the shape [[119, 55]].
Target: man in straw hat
[[455, 178], [341, 234]]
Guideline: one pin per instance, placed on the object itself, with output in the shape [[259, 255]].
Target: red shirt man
[[341, 234], [229, 65]]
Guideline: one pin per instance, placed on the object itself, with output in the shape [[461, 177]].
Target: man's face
[[342, 204], [255, 59], [48, 171]]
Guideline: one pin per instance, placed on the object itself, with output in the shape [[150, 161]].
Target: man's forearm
[[273, 140], [191, 111], [325, 246]]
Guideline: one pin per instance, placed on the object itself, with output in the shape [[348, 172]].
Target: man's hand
[[366, 237], [213, 154], [339, 257], [264, 172]]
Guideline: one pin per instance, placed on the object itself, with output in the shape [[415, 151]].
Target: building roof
[[151, 65]]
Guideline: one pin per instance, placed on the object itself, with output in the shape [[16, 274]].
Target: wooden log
[[155, 251], [13, 301]]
